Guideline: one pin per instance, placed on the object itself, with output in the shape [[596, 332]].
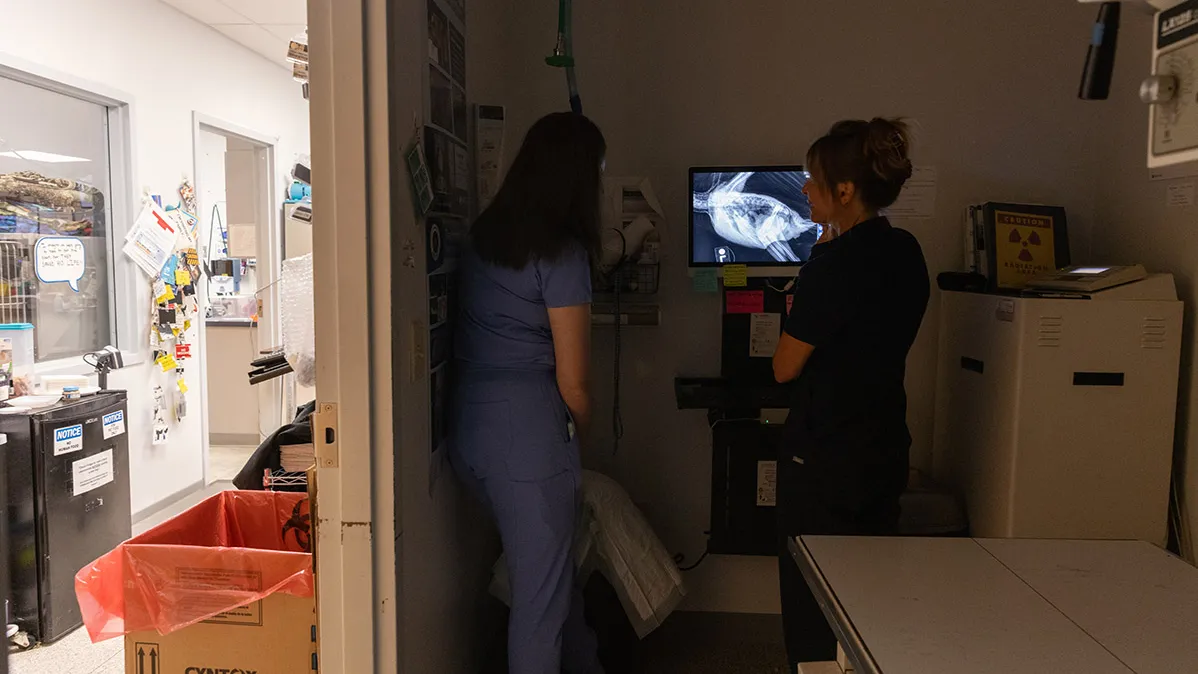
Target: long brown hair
[[551, 197]]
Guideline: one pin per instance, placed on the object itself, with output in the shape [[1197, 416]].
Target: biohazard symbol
[[1032, 239]]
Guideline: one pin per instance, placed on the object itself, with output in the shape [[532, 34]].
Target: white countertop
[[964, 606]]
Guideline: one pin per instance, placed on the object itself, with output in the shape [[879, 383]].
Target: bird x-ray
[[751, 217]]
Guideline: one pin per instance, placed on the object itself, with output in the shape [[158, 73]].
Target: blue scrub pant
[[512, 448]]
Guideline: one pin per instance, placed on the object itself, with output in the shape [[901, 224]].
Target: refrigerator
[[68, 504]]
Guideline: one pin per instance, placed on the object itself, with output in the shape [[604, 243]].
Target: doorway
[[240, 246]]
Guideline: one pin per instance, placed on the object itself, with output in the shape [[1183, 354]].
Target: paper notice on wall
[[767, 484], [1181, 195], [92, 473], [488, 137], [764, 332], [918, 198], [744, 301], [151, 241]]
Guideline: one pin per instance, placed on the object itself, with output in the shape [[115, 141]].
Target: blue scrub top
[[504, 319]]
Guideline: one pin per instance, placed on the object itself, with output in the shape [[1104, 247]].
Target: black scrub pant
[[846, 500]]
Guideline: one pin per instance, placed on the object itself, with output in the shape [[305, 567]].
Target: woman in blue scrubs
[[522, 351]]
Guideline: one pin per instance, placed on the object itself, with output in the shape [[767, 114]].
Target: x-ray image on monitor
[[755, 217]]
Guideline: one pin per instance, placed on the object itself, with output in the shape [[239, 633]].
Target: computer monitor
[[755, 216]]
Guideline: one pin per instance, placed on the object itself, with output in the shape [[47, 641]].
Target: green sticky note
[[736, 276], [705, 280]]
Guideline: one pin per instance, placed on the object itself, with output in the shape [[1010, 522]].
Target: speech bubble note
[[60, 259]]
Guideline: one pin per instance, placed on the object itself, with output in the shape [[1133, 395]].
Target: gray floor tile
[[72, 654]]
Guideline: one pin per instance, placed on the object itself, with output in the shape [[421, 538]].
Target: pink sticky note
[[790, 302], [746, 301]]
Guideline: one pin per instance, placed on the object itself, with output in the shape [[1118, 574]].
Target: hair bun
[[887, 150]]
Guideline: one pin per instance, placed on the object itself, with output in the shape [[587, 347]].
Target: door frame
[[269, 267], [359, 606]]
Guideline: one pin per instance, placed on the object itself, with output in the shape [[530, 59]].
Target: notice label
[[68, 439], [251, 614], [114, 424], [92, 473], [1005, 311], [767, 484]]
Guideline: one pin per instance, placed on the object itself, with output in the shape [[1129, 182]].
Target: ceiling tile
[[272, 11], [257, 39], [208, 11], [285, 31]]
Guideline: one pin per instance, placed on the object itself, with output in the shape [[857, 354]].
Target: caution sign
[[1024, 247], [146, 658]]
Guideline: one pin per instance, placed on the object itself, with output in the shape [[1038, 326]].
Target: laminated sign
[[114, 424], [68, 439]]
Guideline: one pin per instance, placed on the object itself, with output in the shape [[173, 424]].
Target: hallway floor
[[75, 653]]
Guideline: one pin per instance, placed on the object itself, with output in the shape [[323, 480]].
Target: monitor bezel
[[690, 214]]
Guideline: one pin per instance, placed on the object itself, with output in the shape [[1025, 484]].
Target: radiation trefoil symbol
[[1032, 239]]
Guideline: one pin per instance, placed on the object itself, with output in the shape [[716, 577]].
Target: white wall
[[1133, 224], [990, 86], [171, 66]]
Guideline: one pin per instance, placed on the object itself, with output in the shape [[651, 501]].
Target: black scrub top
[[859, 301]]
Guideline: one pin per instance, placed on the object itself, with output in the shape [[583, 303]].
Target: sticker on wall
[[162, 430], [60, 259], [114, 424], [736, 276], [68, 439], [92, 473]]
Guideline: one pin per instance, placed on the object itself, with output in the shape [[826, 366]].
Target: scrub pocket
[[483, 432], [541, 446]]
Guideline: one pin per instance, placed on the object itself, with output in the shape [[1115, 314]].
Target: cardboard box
[[276, 635]]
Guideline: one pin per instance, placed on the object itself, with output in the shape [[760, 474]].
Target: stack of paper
[[297, 458]]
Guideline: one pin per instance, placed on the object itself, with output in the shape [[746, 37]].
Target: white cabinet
[[1055, 417]]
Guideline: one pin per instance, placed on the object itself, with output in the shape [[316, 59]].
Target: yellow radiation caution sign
[[1024, 247]]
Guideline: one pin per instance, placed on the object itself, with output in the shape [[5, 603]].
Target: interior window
[[55, 181]]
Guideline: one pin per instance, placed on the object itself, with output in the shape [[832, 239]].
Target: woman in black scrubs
[[858, 305]]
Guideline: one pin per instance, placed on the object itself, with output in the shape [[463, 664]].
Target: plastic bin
[[21, 335]]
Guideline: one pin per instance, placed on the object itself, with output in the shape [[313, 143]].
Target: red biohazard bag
[[230, 550]]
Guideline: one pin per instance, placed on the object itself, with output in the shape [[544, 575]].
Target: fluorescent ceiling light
[[44, 157]]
